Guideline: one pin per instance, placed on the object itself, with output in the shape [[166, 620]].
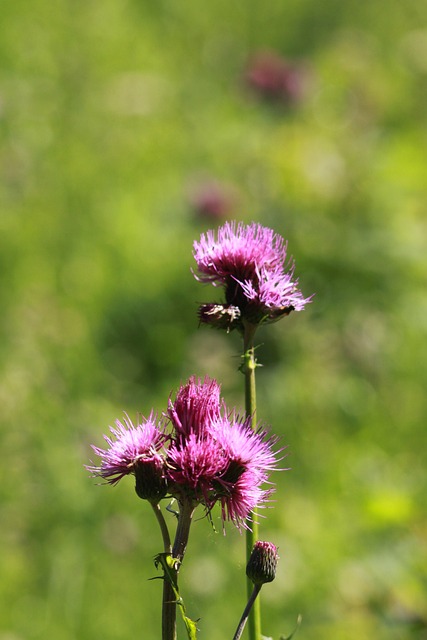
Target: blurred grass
[[110, 114]]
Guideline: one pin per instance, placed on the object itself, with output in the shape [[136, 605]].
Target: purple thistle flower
[[194, 465], [251, 459], [249, 261], [196, 404], [274, 295], [241, 498], [134, 450], [252, 450], [238, 252], [226, 462]]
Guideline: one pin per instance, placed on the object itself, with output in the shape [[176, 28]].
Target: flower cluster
[[208, 455], [249, 262]]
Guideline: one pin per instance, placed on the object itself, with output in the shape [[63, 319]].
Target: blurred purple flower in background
[[275, 78], [212, 200]]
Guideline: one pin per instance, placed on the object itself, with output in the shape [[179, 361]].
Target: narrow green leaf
[[190, 625], [299, 620]]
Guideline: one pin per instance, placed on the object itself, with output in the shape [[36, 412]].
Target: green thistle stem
[[173, 555], [254, 625], [252, 599], [186, 511], [168, 598], [167, 547]]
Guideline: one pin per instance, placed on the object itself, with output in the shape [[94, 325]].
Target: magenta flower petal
[[196, 404], [196, 465], [242, 498], [132, 445], [252, 449], [239, 251], [273, 295], [251, 459]]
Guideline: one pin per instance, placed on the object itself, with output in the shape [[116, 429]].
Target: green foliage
[[294, 631], [110, 115]]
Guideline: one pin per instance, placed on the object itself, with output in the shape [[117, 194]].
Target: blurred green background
[[118, 121]]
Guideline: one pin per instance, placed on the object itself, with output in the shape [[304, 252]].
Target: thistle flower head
[[222, 461], [237, 252], [194, 465], [252, 450], [272, 295], [196, 404], [220, 316], [133, 450], [250, 460], [249, 262]]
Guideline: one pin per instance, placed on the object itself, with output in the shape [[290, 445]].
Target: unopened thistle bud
[[150, 483], [262, 564]]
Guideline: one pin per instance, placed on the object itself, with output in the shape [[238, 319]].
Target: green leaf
[[294, 631], [190, 625]]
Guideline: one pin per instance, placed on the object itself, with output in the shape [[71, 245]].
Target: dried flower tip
[[220, 316], [262, 564]]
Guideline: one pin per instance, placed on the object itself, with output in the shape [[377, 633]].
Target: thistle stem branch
[[250, 408], [170, 590], [176, 553], [168, 597], [167, 547], [168, 611], [185, 517], [252, 598]]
